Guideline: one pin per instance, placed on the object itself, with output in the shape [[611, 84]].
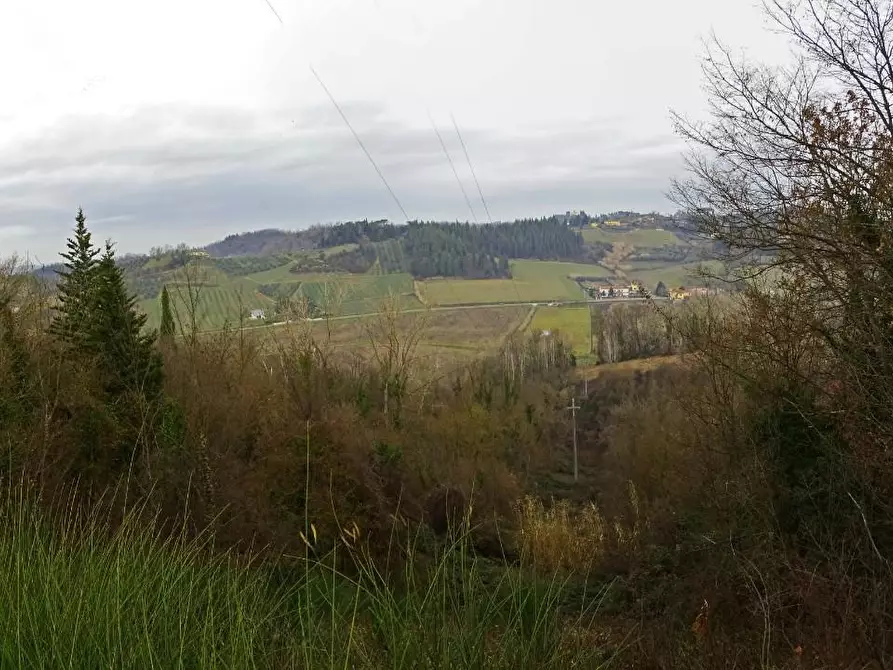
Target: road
[[486, 305], [452, 308]]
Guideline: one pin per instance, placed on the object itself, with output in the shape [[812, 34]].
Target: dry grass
[[638, 364], [448, 336], [562, 537]]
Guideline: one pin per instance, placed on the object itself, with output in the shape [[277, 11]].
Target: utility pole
[[573, 408]]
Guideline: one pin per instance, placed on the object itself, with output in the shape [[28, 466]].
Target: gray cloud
[[172, 173]]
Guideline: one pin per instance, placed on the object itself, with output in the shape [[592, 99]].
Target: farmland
[[345, 294], [640, 237], [447, 336], [651, 272], [216, 304], [572, 322], [532, 281], [226, 296]]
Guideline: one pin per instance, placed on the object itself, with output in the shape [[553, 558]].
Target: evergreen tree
[[128, 358], [661, 290], [167, 318], [76, 285]]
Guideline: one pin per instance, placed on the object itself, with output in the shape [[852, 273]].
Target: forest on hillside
[[455, 249]]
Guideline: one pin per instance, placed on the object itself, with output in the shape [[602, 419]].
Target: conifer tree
[[76, 285], [167, 318], [128, 357]]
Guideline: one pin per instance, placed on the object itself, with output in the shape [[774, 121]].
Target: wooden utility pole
[[573, 408]]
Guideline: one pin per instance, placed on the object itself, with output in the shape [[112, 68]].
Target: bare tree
[[794, 172], [394, 343]]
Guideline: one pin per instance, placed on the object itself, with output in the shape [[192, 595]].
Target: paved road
[[486, 305]]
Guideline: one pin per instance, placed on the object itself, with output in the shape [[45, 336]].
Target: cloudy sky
[[186, 120]]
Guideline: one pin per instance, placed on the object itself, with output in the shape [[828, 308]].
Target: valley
[[343, 278]]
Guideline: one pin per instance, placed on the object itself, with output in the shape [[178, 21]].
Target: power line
[[573, 409], [453, 167], [273, 9], [468, 158], [360, 142]]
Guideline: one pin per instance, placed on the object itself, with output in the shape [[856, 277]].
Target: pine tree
[[167, 318], [76, 285], [128, 359]]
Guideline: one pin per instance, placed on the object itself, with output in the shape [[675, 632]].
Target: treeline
[[261, 243], [450, 249], [426, 249], [543, 239], [354, 232], [627, 331]]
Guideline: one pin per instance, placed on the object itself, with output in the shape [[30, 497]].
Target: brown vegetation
[[738, 503]]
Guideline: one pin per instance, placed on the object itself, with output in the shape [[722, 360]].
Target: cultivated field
[[445, 337], [358, 294], [672, 275], [216, 304], [532, 281], [643, 237], [574, 324]]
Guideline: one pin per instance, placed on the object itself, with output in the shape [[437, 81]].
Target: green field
[[574, 324], [222, 300], [358, 294], [216, 304], [225, 298], [672, 275], [280, 275], [642, 237], [532, 281]]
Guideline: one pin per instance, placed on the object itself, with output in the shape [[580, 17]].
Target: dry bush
[[571, 538], [258, 438]]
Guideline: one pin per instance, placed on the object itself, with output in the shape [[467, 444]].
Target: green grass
[[217, 304], [83, 595], [359, 294], [532, 281], [339, 249], [345, 293], [222, 300], [643, 237], [279, 275], [672, 275], [574, 324]]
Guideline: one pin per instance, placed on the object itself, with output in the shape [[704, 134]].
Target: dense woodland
[[456, 249]]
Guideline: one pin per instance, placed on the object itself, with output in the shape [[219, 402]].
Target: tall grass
[[79, 593]]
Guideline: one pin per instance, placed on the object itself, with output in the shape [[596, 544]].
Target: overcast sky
[[185, 120]]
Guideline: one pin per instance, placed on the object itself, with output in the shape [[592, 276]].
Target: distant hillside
[[262, 243]]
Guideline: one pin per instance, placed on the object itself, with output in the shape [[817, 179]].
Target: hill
[[261, 243]]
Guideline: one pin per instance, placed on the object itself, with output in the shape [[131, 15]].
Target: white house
[[255, 314]]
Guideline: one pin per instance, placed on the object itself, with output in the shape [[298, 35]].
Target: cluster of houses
[[683, 293], [601, 291], [606, 291]]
